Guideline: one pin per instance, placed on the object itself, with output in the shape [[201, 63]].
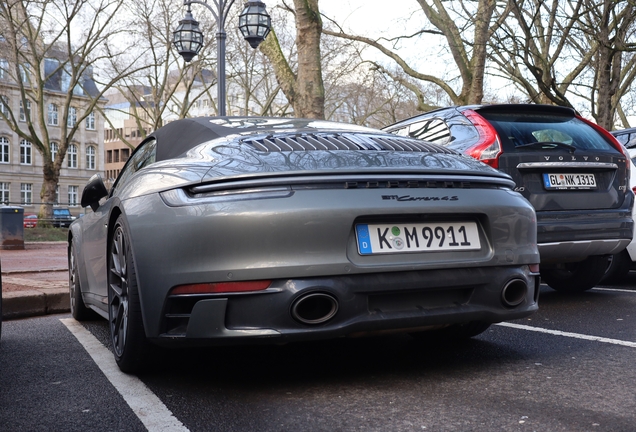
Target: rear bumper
[[573, 236], [367, 304]]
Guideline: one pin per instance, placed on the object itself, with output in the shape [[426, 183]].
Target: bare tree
[[303, 87], [163, 84], [559, 52], [533, 48], [466, 27], [369, 98], [52, 48], [610, 25]]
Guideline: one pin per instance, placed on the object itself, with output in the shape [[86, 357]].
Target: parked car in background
[[30, 221], [575, 174], [621, 263], [248, 230], [62, 217]]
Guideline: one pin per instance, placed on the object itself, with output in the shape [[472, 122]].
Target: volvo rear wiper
[[548, 145]]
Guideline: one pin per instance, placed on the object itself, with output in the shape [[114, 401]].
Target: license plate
[[417, 237], [569, 181]]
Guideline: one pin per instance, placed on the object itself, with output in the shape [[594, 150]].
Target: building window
[[57, 195], [125, 153], [109, 156], [25, 113], [26, 193], [90, 157], [53, 115], [4, 69], [90, 121], [4, 105], [4, 150], [116, 155], [4, 193], [25, 72], [25, 153], [72, 195], [71, 156], [72, 117], [54, 149]]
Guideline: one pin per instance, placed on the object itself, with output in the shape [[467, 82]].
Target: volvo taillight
[[488, 148], [611, 138]]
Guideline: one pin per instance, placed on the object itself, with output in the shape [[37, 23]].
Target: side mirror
[[93, 192]]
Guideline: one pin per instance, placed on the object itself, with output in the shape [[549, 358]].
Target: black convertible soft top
[[177, 137]]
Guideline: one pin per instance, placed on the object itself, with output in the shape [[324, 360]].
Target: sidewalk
[[34, 280]]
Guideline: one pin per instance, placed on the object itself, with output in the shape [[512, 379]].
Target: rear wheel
[[576, 277], [618, 267], [78, 309], [124, 309], [453, 332]]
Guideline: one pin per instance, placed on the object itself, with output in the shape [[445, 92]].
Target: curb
[[36, 302], [50, 270]]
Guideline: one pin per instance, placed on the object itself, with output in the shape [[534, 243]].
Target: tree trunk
[[51, 177], [304, 89]]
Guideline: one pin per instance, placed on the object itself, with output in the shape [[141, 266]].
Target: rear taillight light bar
[[488, 148], [221, 287]]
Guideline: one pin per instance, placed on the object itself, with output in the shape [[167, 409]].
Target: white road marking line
[[145, 404], [568, 334], [615, 289]]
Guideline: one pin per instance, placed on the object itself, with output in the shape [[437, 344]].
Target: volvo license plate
[[569, 181]]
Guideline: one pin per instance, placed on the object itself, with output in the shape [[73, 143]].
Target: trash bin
[[11, 227]]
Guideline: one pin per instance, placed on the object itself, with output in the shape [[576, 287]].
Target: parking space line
[[615, 289], [145, 404], [568, 334]]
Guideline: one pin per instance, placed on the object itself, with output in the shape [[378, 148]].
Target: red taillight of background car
[[611, 138], [488, 149], [221, 287]]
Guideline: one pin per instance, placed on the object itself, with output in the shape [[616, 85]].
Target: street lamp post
[[254, 23]]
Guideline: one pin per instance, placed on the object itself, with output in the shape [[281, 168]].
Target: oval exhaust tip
[[514, 293], [314, 308]]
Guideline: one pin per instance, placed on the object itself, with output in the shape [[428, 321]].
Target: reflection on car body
[[226, 230]]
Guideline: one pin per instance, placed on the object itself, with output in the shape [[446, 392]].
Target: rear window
[[522, 129]]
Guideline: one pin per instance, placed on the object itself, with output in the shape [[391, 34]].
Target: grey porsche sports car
[[225, 230]]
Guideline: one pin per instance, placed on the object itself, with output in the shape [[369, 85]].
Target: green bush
[[39, 234]]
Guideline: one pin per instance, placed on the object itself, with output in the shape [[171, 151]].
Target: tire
[[453, 333], [618, 267], [576, 277], [130, 346], [78, 308]]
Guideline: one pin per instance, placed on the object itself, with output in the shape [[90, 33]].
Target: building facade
[[21, 164]]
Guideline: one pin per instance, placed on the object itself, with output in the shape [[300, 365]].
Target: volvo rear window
[[517, 130]]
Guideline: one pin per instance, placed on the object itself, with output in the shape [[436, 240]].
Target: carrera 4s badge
[[420, 198]]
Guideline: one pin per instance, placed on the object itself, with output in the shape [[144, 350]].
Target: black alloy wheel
[[124, 309], [576, 277]]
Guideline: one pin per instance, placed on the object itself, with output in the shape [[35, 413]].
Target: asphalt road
[[569, 367]]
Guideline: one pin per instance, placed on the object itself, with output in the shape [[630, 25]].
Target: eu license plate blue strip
[[364, 240]]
